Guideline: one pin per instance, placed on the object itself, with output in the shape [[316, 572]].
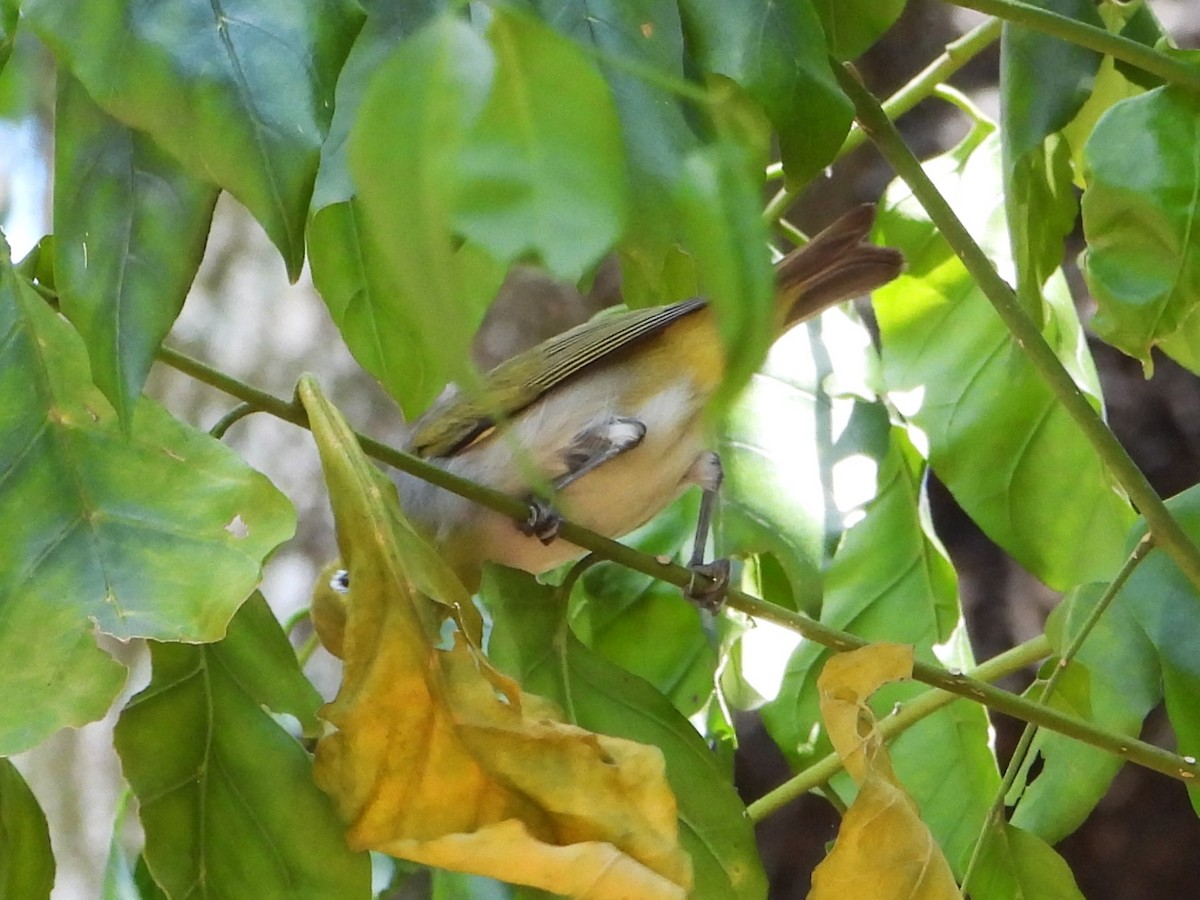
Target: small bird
[[610, 415]]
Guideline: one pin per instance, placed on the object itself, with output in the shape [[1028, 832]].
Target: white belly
[[614, 499]]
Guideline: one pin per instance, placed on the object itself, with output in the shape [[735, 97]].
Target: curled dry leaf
[[883, 849], [438, 758]]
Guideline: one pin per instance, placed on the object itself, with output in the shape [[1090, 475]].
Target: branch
[[1167, 532], [954, 682], [1148, 59]]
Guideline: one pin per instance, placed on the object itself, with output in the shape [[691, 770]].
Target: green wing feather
[[459, 418]]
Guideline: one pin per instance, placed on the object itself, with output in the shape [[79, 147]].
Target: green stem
[[1167, 532], [957, 54], [956, 683], [236, 414], [307, 649], [964, 103], [911, 712], [1166, 67], [1016, 764]]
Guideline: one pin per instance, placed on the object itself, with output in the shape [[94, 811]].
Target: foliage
[[413, 151]]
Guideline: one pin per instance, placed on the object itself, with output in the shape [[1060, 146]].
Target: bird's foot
[[542, 522], [708, 585]]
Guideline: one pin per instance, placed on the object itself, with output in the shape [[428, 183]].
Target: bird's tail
[[834, 266]]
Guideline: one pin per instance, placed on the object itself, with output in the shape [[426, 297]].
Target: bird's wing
[[463, 416]]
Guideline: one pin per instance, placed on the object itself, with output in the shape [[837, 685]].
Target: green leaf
[[226, 794], [852, 26], [726, 235], [26, 860], [130, 227], [530, 641], [241, 96], [1044, 82], [777, 52], [543, 175], [346, 268], [997, 436], [404, 152], [614, 608], [638, 47], [147, 887], [159, 534], [1140, 213], [1122, 688], [1017, 864]]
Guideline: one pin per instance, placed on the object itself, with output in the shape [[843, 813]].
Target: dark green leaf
[[1017, 864], [346, 268], [226, 794], [130, 227], [1141, 26], [404, 152], [161, 534], [852, 26], [777, 52], [646, 626], [241, 96], [726, 235], [541, 174], [629, 37], [26, 860], [1140, 212], [530, 640], [146, 885], [1044, 81], [26, 89], [997, 436]]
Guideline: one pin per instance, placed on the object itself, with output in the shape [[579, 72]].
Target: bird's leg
[[588, 450], [706, 471]]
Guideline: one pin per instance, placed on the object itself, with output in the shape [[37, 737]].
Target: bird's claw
[[708, 585], [542, 522]]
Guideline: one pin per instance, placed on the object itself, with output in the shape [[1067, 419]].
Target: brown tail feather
[[835, 265]]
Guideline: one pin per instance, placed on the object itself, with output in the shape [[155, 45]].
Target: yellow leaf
[[437, 757], [883, 849]]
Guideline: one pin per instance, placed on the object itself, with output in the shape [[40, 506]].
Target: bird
[[610, 416]]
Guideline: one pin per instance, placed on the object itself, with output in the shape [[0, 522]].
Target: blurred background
[[245, 318]]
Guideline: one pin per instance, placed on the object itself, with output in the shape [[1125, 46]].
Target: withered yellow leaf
[[435, 756], [883, 849]]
